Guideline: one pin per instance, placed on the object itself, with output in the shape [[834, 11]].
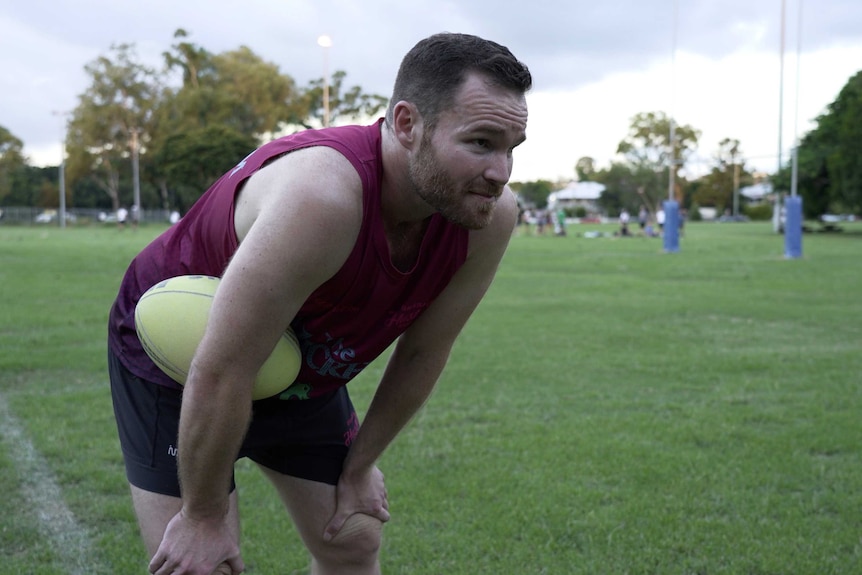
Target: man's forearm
[[407, 383], [212, 427]]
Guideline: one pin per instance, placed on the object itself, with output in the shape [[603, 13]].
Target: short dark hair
[[433, 70]]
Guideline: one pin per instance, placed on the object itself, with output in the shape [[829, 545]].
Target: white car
[[49, 216]]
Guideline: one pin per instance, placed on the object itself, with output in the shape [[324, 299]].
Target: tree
[[350, 103], [648, 141], [728, 173], [12, 160], [648, 145], [235, 96], [535, 193], [115, 111], [585, 168], [843, 122], [628, 186], [254, 95], [194, 159], [237, 89], [193, 60], [830, 157], [32, 186]]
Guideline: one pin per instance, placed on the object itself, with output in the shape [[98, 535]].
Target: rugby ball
[[171, 317]]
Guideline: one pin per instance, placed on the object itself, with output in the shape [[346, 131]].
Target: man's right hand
[[197, 547], [363, 492]]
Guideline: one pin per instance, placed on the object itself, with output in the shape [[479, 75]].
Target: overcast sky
[[595, 64]]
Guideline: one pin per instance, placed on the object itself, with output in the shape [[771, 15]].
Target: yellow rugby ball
[[171, 318]]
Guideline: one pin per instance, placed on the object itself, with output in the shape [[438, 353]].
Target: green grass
[[610, 409]]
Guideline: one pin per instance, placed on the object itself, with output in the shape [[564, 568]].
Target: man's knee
[[357, 543]]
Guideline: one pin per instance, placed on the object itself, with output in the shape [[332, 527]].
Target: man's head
[[431, 73]]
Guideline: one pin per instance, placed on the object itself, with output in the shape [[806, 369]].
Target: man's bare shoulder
[[314, 180]]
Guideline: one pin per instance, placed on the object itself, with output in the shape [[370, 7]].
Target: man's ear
[[407, 124]]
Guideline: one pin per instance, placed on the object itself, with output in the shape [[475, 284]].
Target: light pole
[[325, 42], [136, 180], [735, 187], [62, 169]]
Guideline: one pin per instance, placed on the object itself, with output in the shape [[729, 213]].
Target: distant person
[[643, 216], [624, 222], [122, 215], [526, 218], [357, 237], [560, 222], [136, 215], [542, 221]]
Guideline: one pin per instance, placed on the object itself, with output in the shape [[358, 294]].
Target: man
[[624, 222], [122, 214], [354, 236]]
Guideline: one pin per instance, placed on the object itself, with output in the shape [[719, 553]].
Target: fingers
[[230, 567], [383, 514], [157, 563], [361, 493], [234, 566], [334, 526]]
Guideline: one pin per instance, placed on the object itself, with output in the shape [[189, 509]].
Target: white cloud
[[734, 97]]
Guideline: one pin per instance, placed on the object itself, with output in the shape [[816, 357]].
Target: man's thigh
[[155, 510], [312, 504]]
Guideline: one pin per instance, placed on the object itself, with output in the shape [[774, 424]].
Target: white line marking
[[69, 539]]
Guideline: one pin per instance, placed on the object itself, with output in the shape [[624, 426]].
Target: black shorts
[[306, 438]]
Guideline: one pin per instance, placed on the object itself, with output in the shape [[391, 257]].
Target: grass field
[[610, 409]]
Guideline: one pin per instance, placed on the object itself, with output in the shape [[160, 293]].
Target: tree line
[[187, 123], [182, 137]]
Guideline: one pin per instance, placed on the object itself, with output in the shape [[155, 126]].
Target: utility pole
[[136, 180], [735, 188], [62, 168], [735, 181], [325, 42]]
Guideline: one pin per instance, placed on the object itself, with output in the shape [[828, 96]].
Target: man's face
[[462, 165]]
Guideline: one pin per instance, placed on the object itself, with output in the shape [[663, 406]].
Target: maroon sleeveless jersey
[[349, 320]]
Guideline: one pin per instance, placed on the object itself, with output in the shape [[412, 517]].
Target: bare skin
[[284, 217]]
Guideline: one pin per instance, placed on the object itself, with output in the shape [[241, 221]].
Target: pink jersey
[[349, 320]]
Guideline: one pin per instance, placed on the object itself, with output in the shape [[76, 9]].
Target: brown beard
[[431, 182]]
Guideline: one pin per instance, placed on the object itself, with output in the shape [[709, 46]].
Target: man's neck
[[400, 204]]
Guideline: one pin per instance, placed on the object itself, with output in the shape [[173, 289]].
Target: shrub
[[760, 212]]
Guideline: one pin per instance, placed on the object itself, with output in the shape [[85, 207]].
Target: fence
[[74, 216]]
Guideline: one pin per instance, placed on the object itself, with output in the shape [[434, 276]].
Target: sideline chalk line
[[69, 539]]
